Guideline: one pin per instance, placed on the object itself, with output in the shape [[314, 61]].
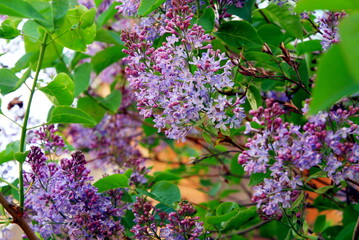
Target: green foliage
[[111, 182], [8, 81], [82, 78], [77, 30], [148, 6], [332, 5], [8, 153], [238, 34], [105, 58], [334, 80], [19, 8], [65, 114], [8, 29], [61, 90]]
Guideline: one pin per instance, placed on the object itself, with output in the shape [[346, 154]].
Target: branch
[[18, 218], [356, 231]]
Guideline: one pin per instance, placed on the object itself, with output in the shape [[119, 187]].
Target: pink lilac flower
[[328, 25]]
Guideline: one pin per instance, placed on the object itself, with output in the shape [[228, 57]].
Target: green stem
[[26, 117]]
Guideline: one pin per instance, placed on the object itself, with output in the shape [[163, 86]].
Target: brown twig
[[18, 218]]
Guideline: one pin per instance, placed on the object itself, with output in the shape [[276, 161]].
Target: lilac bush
[[250, 104]]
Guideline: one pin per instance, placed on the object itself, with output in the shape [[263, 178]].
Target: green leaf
[[334, 80], [224, 212], [98, 2], [82, 76], [88, 18], [349, 34], [23, 62], [23, 78], [65, 114], [61, 90], [8, 29], [332, 5], [33, 35], [91, 107], [107, 36], [346, 233], [257, 178], [167, 192], [19, 8], [238, 34], [207, 137], [244, 12], [254, 97], [8, 153], [323, 189], [226, 207], [111, 182], [271, 34], [0, 106], [284, 18], [8, 81], [21, 156], [319, 174], [106, 15], [165, 176], [242, 217], [207, 20], [319, 224], [106, 57], [298, 201], [71, 34], [309, 46], [112, 102], [148, 6]]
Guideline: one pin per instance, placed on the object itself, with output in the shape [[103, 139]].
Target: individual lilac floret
[[175, 85], [328, 25], [62, 201]]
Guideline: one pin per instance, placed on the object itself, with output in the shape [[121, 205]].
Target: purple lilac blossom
[[328, 25], [180, 224], [128, 7], [62, 201], [174, 85], [47, 138], [281, 146]]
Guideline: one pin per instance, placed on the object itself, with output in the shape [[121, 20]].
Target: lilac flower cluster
[[128, 7], [61, 200], [176, 225], [328, 25], [47, 138], [182, 224], [174, 84], [280, 148]]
